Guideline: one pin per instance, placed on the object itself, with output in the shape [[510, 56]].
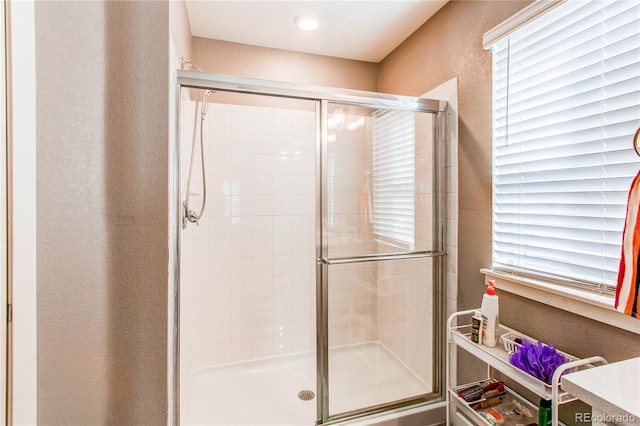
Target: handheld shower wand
[[189, 214]]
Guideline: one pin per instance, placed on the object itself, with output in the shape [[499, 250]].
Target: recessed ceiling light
[[306, 23]]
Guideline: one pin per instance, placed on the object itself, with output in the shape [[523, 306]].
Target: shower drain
[[306, 395]]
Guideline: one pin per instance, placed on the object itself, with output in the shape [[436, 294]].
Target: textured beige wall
[[448, 45], [102, 135], [180, 30], [223, 57]]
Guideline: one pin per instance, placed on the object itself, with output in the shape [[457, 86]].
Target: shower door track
[[322, 95], [201, 80]]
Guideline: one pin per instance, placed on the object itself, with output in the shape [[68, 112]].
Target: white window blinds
[[566, 93], [394, 176]]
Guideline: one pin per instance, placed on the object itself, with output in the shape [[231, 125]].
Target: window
[[394, 176], [566, 90]]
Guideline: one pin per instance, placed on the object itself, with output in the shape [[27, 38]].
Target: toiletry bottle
[[544, 412], [489, 310], [476, 327]]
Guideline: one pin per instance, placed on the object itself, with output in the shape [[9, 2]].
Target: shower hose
[[189, 214]]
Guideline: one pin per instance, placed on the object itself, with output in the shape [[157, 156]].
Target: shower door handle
[[381, 256]]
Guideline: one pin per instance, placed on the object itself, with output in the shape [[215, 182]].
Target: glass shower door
[[379, 258], [247, 329]]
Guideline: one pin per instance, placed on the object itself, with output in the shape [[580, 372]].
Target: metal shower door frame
[[322, 96], [324, 261]]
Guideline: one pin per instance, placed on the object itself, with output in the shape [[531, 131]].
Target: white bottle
[[489, 310]]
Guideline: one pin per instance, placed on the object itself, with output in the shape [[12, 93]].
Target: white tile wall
[[247, 281]]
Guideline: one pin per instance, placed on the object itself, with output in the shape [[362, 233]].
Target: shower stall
[[310, 290]]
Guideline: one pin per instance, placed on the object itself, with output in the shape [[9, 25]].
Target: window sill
[[593, 306]]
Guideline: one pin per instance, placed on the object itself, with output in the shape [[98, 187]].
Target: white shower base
[[264, 391]]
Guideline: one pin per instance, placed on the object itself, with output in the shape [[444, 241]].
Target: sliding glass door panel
[[379, 249], [380, 317], [380, 182]]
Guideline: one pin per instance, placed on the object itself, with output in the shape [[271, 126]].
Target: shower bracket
[[189, 216]]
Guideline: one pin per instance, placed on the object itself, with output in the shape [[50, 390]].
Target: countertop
[[613, 388]]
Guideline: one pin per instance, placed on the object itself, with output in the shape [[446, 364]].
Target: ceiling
[[360, 30]]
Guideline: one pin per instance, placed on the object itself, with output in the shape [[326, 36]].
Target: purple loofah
[[537, 359]]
